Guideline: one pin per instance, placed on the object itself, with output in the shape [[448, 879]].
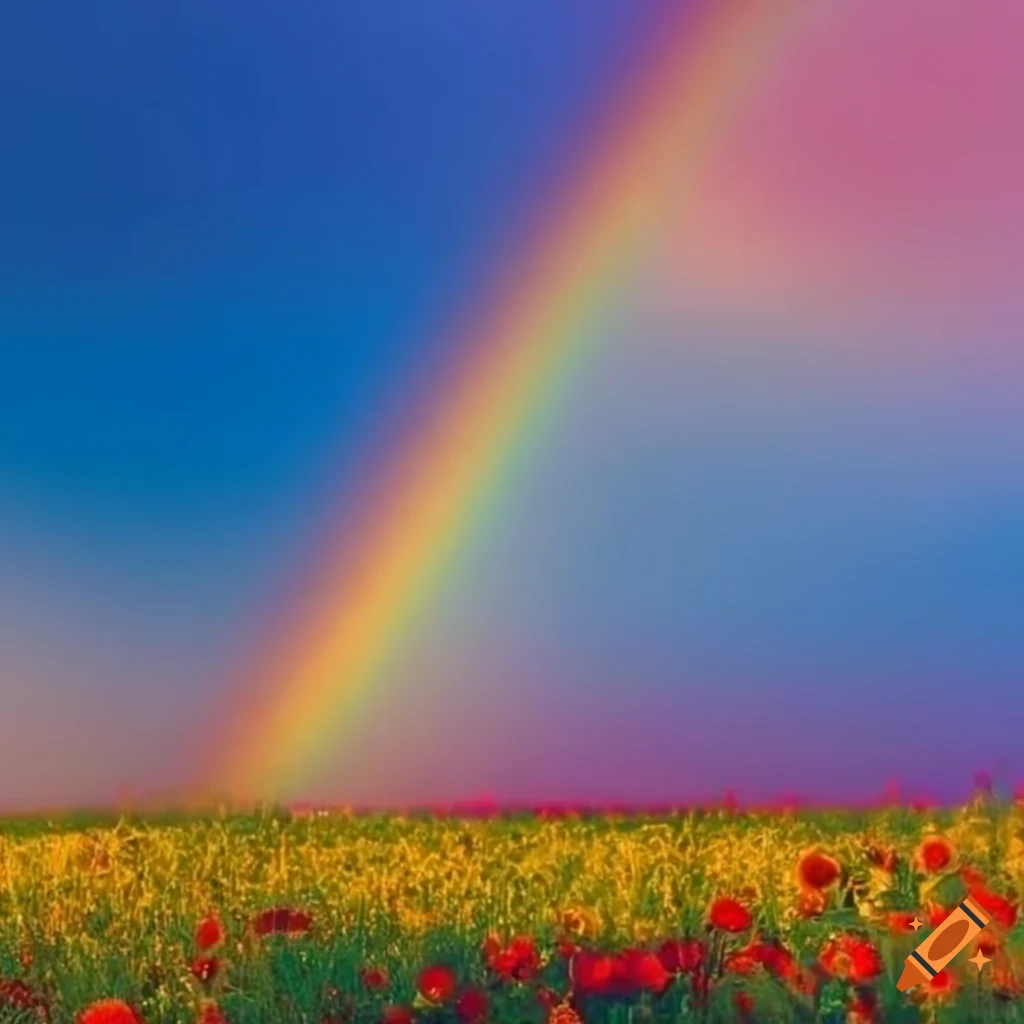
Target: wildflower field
[[710, 916]]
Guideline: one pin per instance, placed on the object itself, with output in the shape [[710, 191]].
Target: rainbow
[[519, 353]]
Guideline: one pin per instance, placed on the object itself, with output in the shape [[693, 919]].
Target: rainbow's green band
[[519, 355]]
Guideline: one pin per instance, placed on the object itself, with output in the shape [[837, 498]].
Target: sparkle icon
[[980, 959], [916, 923]]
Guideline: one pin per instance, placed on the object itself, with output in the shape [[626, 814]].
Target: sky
[[772, 540]]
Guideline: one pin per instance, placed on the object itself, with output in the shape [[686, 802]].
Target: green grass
[[97, 906]]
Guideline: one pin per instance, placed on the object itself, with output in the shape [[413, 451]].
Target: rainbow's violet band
[[518, 354]]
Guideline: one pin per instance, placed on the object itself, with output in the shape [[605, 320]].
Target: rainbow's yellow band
[[517, 358]]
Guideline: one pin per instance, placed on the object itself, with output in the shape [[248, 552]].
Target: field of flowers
[[557, 918]]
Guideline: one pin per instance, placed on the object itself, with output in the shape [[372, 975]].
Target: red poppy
[[817, 870], [997, 907], [374, 978], [527, 959], [621, 983], [774, 957], [205, 968], [546, 997], [646, 971], [504, 963], [591, 972], [942, 986], [680, 956], [740, 962], [935, 854], [109, 1011], [397, 1015], [811, 903], [518, 961], [803, 982], [972, 877], [851, 958], [472, 1006], [567, 949], [211, 1013], [744, 1003], [1003, 911], [16, 995], [209, 933], [282, 921], [22, 999], [729, 915], [900, 921], [436, 983], [862, 1007]]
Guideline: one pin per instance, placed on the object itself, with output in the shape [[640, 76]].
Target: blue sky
[[228, 234]]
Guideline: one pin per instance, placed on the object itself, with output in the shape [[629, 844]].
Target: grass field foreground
[[342, 918]]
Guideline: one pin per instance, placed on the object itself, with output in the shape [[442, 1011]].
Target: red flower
[[817, 870], [935, 914], [863, 1006], [109, 1011], [205, 968], [527, 959], [680, 956], [803, 982], [518, 961], [374, 978], [741, 963], [547, 998], [211, 1013], [621, 983], [997, 907], [504, 963], [934, 854], [646, 971], [209, 933], [900, 921], [729, 915], [774, 958], [472, 1006], [972, 877], [397, 1015], [811, 903], [591, 972], [16, 995], [436, 983], [22, 999], [566, 949], [942, 986], [744, 1002], [851, 958], [282, 921]]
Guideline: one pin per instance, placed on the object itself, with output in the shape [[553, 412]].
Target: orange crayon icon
[[962, 925]]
